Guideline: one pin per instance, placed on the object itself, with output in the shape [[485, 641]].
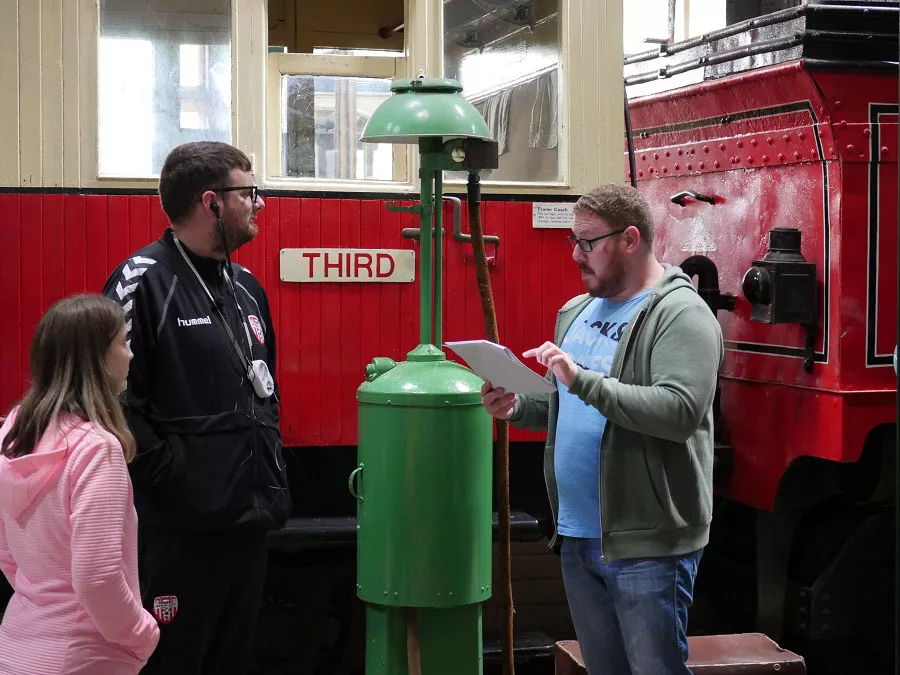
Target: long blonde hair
[[69, 374]]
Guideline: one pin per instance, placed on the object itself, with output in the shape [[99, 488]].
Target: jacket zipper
[[636, 327]]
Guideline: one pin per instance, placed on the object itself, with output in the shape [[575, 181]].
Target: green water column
[[423, 480]]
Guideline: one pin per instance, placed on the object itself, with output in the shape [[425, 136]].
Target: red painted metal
[[785, 147], [56, 245]]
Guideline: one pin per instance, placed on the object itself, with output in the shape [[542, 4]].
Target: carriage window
[[327, 72], [322, 119], [506, 56], [303, 26], [164, 78]]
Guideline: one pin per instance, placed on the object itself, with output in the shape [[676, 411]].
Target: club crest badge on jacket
[[165, 608], [257, 328]]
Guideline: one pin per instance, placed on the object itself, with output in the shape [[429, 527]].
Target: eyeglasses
[[254, 191], [587, 244]]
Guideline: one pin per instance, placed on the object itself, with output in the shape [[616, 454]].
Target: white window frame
[[592, 126], [280, 64]]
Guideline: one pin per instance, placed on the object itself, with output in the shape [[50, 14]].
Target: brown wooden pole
[[502, 457]]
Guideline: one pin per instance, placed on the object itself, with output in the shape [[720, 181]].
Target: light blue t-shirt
[[591, 342]]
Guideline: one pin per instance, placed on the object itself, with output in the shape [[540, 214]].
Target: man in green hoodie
[[628, 460]]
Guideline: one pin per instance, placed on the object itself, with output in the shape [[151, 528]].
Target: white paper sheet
[[499, 366]]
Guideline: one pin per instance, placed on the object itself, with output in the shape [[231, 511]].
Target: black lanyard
[[243, 357]]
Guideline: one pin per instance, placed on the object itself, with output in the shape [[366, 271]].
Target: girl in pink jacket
[[68, 528]]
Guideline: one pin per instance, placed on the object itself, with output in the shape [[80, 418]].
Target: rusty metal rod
[[502, 457]]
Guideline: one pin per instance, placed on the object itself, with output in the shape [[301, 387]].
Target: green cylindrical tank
[[423, 484]]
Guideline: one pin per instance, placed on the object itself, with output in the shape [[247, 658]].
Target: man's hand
[[497, 402], [554, 358]]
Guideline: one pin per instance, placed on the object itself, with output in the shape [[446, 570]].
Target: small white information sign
[[552, 214], [348, 265]]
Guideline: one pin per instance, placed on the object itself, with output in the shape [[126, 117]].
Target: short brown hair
[[619, 205], [192, 168]]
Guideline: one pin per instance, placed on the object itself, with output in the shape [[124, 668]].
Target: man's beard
[[611, 281], [234, 237]]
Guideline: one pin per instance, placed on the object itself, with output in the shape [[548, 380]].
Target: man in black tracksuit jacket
[[209, 477]]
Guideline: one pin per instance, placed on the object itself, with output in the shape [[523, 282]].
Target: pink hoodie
[[68, 545]]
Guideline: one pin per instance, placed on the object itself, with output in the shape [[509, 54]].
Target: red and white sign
[[348, 265]]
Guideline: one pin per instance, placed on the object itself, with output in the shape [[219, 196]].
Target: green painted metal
[[426, 283], [386, 629], [424, 107], [423, 482], [424, 508], [461, 656]]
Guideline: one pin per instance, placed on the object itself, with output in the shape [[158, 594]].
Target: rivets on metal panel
[[716, 164], [796, 154], [640, 173], [689, 167], [680, 153], [843, 124], [665, 170], [850, 148], [749, 160], [884, 149], [705, 148], [753, 142], [702, 165], [667, 153], [867, 132], [769, 140], [655, 155], [781, 156], [765, 158], [677, 166], [786, 138], [740, 144], [650, 169], [693, 151], [801, 135], [643, 157], [721, 146], [837, 104]]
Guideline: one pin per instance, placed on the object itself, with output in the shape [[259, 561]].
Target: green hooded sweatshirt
[[656, 452]]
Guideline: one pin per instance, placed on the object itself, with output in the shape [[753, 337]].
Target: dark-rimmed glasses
[[587, 244], [254, 191]]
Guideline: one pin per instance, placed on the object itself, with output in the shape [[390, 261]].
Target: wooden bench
[[740, 654]]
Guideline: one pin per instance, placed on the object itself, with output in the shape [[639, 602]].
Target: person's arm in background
[[156, 461], [99, 501]]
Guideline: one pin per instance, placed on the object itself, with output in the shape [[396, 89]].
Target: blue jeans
[[630, 616]]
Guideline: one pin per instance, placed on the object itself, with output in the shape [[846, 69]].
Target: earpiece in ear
[[215, 208]]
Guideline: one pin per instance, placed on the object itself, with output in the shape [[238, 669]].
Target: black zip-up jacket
[[209, 450]]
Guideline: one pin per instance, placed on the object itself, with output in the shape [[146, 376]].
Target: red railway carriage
[[791, 128], [63, 243]]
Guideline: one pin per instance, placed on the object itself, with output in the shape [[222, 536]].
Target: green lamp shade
[[424, 107]]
